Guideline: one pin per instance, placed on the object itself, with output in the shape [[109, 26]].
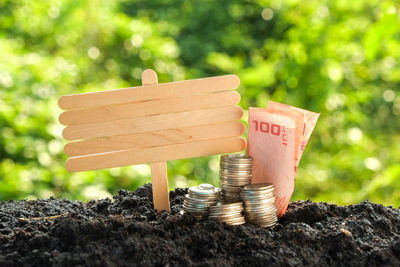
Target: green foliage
[[340, 58]]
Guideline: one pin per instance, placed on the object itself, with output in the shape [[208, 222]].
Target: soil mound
[[126, 231]]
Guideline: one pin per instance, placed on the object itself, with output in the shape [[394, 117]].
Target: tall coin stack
[[228, 213], [235, 171], [200, 198], [259, 204]]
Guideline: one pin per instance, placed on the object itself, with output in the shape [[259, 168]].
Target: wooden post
[[159, 176]]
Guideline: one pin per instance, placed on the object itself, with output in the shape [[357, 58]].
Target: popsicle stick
[[155, 154], [152, 139], [152, 107], [159, 176], [159, 181], [152, 123], [149, 92]]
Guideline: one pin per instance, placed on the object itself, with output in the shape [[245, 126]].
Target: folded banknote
[[277, 136]]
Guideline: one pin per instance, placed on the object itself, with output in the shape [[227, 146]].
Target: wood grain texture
[[152, 123], [149, 92], [147, 108], [159, 181], [159, 176], [152, 139], [155, 154]]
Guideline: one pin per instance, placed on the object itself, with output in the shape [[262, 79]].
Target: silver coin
[[224, 181], [264, 216], [261, 200], [257, 195], [260, 216], [235, 172], [227, 178], [200, 212], [267, 225], [260, 209], [235, 177], [269, 206], [233, 205], [202, 201], [230, 188], [238, 217], [258, 187], [236, 167], [230, 194], [233, 183], [229, 201], [195, 205], [256, 192], [236, 162], [225, 216], [204, 189], [236, 157], [201, 198], [234, 221], [264, 219], [226, 210], [230, 197]]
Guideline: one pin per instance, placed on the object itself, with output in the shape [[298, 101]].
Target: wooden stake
[[159, 176]]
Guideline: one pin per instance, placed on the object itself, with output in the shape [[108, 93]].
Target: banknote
[[310, 120], [298, 118], [277, 136], [271, 143]]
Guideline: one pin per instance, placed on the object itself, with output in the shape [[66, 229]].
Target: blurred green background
[[336, 57]]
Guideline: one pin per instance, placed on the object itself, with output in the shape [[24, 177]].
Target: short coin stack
[[259, 204], [235, 171], [228, 213], [200, 198]]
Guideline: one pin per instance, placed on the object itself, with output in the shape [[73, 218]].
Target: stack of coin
[[200, 198], [259, 204], [235, 172], [228, 213]]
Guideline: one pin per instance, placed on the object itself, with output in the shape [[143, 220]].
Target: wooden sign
[[152, 123]]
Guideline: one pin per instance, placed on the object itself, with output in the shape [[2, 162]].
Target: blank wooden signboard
[[152, 123]]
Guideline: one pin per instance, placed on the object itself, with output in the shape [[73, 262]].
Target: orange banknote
[[277, 136]]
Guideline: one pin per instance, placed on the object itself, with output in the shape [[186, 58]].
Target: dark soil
[[126, 231]]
